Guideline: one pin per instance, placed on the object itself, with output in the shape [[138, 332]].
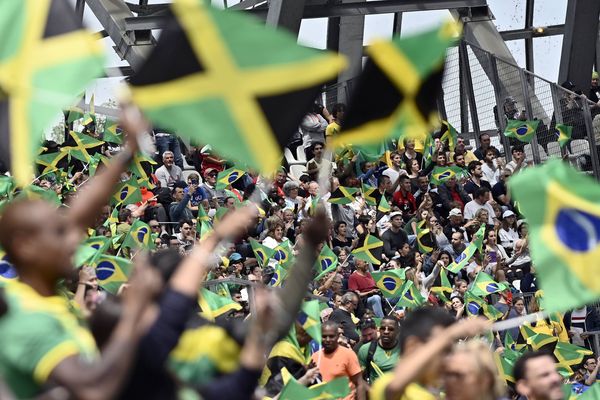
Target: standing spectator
[[394, 238], [336, 361], [168, 173], [485, 143], [343, 315], [383, 352], [362, 282]]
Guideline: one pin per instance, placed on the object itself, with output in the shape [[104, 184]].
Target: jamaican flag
[[343, 195], [398, 88], [370, 251], [46, 60], [523, 131], [245, 84]]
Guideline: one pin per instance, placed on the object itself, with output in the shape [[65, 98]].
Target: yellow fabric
[[412, 392]]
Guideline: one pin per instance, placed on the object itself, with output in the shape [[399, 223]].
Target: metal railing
[[482, 92]]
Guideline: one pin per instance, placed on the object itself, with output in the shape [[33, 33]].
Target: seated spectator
[[168, 173]]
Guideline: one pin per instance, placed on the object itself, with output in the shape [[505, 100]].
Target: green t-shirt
[[386, 360], [37, 334]]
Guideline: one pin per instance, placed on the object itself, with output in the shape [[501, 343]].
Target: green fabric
[[386, 360], [32, 328], [561, 207]]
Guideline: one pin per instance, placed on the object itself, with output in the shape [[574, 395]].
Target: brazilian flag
[[247, 85], [310, 319], [46, 60], [561, 207], [449, 135], [440, 175], [128, 192], [398, 89], [112, 132], [524, 131], [140, 235], [423, 238], [563, 134], [343, 195], [83, 143], [367, 193], [484, 285], [410, 297], [370, 251], [326, 262], [228, 177], [383, 206], [112, 272], [213, 305], [390, 282]]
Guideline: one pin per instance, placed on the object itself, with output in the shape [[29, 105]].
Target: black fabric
[[375, 97], [61, 19]]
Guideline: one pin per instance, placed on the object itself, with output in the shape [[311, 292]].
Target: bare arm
[[86, 207]]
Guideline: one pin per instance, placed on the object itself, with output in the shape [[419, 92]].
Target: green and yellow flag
[[247, 85], [524, 131], [228, 177], [563, 134], [562, 210], [342, 195], [449, 135], [128, 192], [370, 251], [112, 272], [46, 60], [390, 282], [404, 78], [326, 262], [213, 305]]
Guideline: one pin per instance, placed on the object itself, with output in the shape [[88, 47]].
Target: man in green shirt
[[381, 355], [44, 342]]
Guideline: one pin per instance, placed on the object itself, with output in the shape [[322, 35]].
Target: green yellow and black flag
[[398, 89], [46, 60], [247, 85], [343, 195]]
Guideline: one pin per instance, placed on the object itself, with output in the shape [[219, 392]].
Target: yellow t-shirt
[[413, 391]]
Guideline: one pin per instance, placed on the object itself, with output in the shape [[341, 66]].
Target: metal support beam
[[579, 42], [397, 28], [529, 66], [286, 14], [131, 46]]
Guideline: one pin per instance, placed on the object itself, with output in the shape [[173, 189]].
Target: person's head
[[383, 182], [481, 194], [475, 169], [340, 228], [423, 182], [368, 330], [490, 155], [168, 158], [457, 303], [396, 159], [350, 301], [470, 373], [485, 140], [589, 363], [459, 159], [457, 240], [417, 328], [317, 149], [461, 286], [330, 334], [536, 377], [30, 228], [313, 188], [338, 111], [518, 152], [389, 329], [396, 220], [404, 183]]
